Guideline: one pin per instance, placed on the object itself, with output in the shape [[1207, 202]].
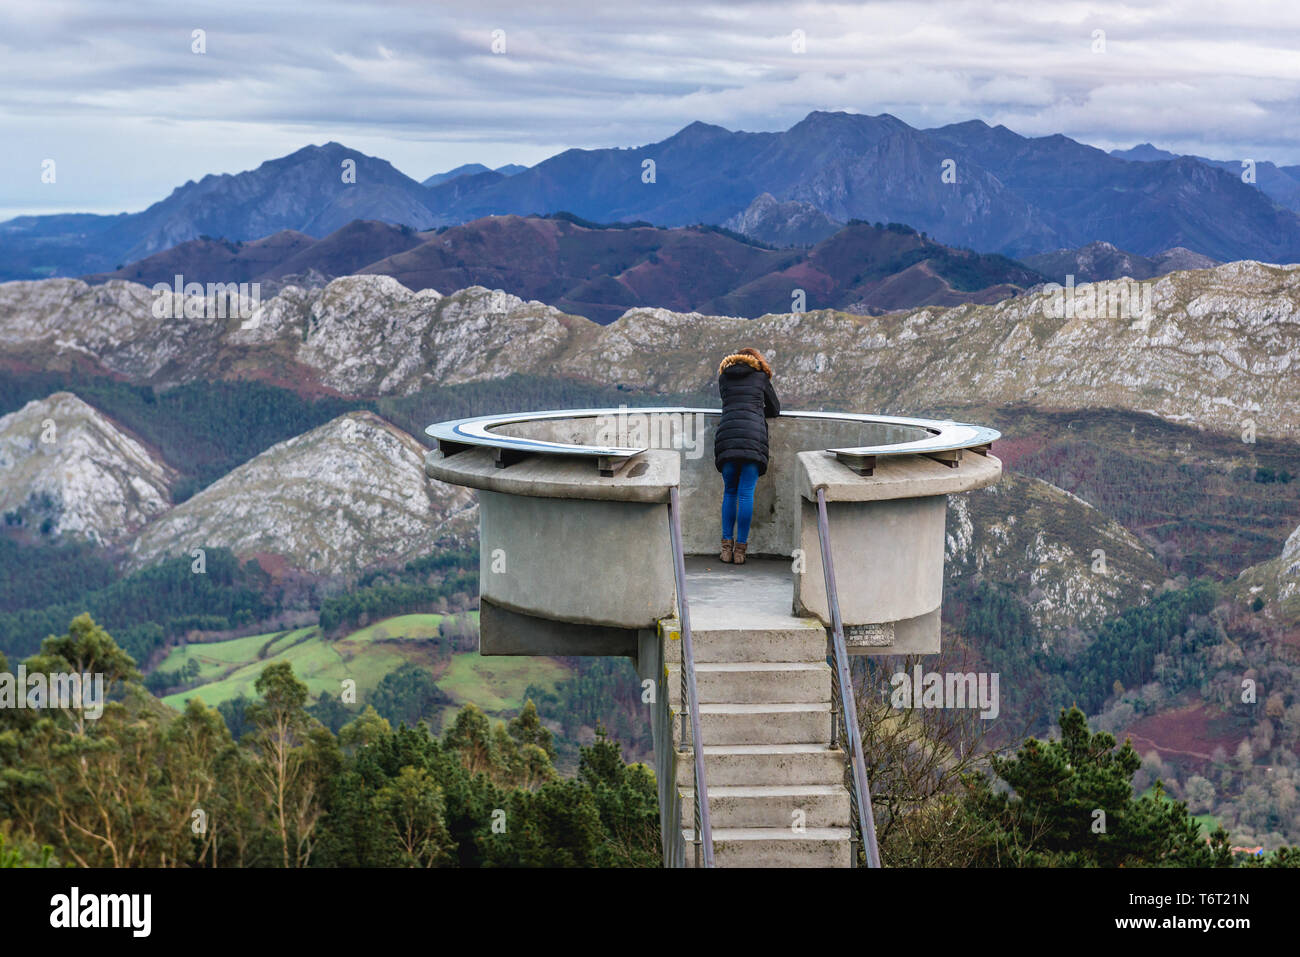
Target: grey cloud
[[419, 83]]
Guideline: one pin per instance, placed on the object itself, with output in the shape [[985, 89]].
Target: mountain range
[[967, 185], [1219, 347], [602, 271]]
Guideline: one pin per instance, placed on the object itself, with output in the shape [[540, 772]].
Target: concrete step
[[823, 805], [798, 723], [775, 847], [747, 765], [755, 682], [803, 640], [765, 721]]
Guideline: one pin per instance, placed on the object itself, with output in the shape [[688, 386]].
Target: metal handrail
[[934, 435], [844, 706], [690, 696]]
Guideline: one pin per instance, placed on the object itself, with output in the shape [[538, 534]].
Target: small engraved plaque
[[869, 636]]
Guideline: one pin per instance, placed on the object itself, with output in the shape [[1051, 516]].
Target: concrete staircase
[[776, 787]]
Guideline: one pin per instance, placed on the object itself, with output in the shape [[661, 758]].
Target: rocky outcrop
[[1101, 260], [1275, 583], [1074, 566], [69, 471], [791, 223]]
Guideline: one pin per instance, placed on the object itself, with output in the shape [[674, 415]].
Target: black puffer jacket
[[748, 401]]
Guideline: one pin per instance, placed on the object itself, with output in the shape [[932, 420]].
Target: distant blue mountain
[[1280, 183], [308, 191], [965, 185], [1144, 153], [1012, 194], [472, 169]]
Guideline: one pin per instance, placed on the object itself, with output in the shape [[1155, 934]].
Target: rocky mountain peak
[[69, 470], [790, 223], [345, 496]]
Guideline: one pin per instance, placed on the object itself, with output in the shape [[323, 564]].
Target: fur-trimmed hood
[[757, 364]]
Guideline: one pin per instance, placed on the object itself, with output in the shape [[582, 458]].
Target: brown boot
[[725, 554], [738, 553]]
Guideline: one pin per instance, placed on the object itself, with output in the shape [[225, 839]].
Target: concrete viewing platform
[[575, 552], [756, 595], [579, 519]]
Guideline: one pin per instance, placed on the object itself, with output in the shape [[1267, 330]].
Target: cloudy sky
[[116, 95]]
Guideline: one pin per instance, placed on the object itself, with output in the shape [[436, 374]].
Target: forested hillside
[[145, 786], [148, 786]]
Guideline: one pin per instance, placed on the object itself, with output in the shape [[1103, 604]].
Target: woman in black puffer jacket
[[740, 442]]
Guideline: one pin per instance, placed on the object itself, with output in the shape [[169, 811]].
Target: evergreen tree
[[1071, 804]]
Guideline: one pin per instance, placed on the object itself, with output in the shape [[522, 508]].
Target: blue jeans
[[738, 481]]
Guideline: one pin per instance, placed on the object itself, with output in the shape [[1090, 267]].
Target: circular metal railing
[[940, 436]]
